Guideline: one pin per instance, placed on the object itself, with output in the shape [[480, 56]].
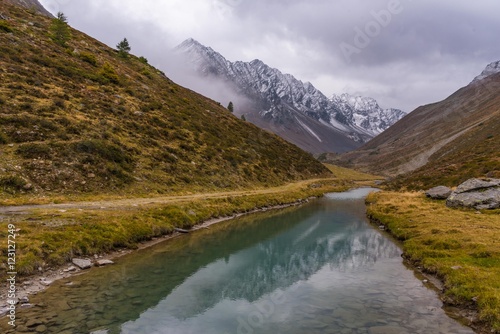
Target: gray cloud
[[425, 51]]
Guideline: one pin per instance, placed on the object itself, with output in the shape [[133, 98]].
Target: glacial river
[[318, 268]]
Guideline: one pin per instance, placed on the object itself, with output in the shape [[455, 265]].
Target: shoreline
[[464, 314], [33, 284]]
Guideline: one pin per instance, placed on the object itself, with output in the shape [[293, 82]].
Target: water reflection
[[300, 270]]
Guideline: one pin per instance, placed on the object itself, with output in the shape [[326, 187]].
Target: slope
[[441, 143], [81, 119]]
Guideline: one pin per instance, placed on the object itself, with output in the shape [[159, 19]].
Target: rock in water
[[101, 263], [477, 194], [440, 192], [82, 263]]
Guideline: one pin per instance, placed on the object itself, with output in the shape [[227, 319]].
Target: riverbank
[[33, 284], [50, 236], [459, 247]]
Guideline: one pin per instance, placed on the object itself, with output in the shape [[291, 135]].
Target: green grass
[[461, 247], [49, 237]]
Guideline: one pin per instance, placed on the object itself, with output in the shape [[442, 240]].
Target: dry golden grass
[[351, 174], [462, 247]]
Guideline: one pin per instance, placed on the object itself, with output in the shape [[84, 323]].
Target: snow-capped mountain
[[366, 114], [295, 110], [491, 69]]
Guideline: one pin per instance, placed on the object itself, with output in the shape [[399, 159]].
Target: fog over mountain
[[281, 103]]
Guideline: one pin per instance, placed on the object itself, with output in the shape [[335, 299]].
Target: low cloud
[[425, 52]]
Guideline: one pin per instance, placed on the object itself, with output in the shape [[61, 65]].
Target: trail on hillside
[[136, 202]]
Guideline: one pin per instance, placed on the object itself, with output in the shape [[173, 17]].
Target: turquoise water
[[320, 268]]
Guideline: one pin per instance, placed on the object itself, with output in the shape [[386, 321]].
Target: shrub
[[88, 57], [4, 26], [33, 151], [3, 138], [12, 182], [107, 74], [105, 150]]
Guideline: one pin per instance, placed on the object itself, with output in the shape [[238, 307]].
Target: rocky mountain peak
[[281, 102], [491, 69]]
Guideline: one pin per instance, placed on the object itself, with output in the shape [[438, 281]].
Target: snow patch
[[308, 129]]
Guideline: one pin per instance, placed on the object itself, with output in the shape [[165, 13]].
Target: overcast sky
[[403, 53]]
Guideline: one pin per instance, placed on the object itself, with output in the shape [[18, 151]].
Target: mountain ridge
[[443, 143], [287, 106], [82, 119]]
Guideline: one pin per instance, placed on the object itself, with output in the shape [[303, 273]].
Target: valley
[[102, 153]]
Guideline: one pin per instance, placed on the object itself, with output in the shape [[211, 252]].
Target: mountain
[[31, 5], [441, 143], [295, 110], [81, 118], [491, 69]]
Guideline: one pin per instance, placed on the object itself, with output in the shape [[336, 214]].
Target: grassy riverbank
[[49, 236], [461, 247]]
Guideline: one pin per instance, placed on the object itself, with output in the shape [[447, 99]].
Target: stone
[[479, 194], [24, 300], [69, 269], [440, 192], [483, 200], [26, 305], [477, 184], [101, 263], [82, 263]]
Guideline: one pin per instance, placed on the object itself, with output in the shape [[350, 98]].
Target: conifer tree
[[230, 106], [59, 29], [123, 48]]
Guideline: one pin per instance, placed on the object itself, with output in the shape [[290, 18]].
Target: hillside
[[441, 143], [295, 110], [81, 119]]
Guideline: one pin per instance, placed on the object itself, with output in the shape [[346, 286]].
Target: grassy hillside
[[80, 119], [442, 143], [475, 154]]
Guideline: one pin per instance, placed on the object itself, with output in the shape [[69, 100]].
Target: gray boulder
[[477, 194], [477, 184], [440, 192], [82, 263]]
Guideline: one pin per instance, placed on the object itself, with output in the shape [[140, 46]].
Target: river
[[318, 268]]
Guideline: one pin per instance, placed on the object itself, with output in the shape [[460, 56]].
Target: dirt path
[[135, 202]]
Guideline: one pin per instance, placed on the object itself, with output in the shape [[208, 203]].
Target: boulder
[[477, 184], [476, 193], [480, 200], [440, 192], [82, 263]]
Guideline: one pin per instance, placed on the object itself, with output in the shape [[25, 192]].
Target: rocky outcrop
[[440, 192], [476, 193]]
